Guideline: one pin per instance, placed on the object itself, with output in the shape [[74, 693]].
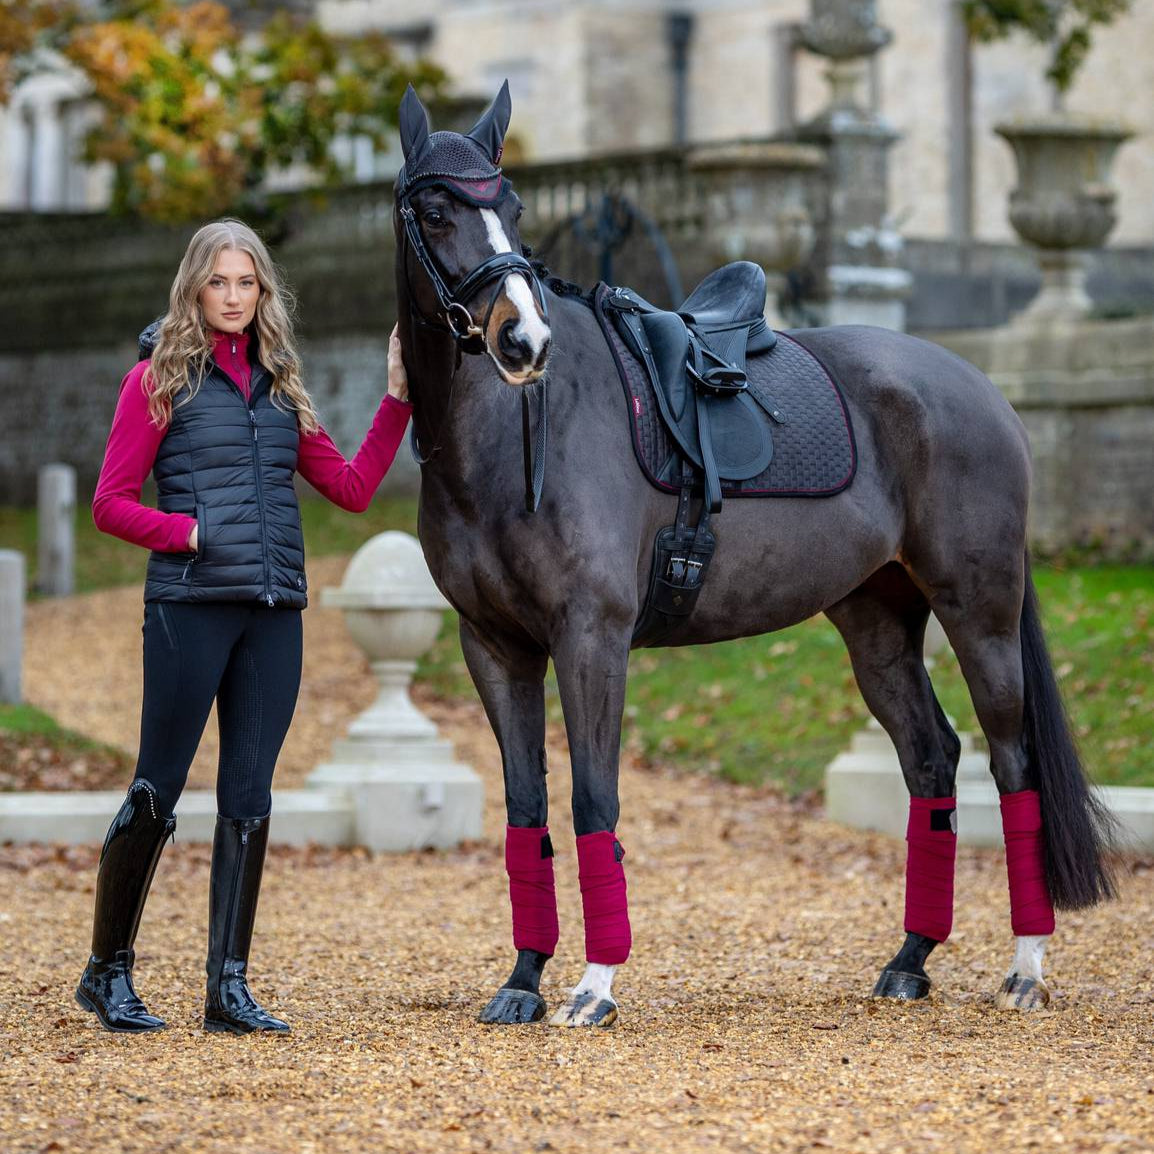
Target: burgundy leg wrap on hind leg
[[1031, 911], [529, 863], [603, 900], [931, 846]]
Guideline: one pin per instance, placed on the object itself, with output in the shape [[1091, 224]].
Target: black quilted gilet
[[230, 464]]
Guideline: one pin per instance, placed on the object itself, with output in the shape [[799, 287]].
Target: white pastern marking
[[1028, 953], [531, 327], [598, 981]]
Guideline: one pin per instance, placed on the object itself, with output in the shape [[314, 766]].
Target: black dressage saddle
[[696, 361], [709, 387]]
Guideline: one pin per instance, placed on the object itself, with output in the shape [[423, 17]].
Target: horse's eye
[[520, 212], [433, 218]]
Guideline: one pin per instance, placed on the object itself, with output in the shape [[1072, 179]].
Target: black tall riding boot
[[127, 864], [238, 850]]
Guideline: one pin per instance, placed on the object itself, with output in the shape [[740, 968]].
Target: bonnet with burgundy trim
[[467, 166]]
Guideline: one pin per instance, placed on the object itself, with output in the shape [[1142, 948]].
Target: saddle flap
[[627, 321], [740, 436], [669, 346]]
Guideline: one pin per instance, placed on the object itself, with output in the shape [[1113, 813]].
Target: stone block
[[864, 788], [299, 817]]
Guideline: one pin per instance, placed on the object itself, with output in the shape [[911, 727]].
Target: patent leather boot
[[238, 850], [127, 864]]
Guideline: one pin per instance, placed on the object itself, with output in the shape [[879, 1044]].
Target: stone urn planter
[[407, 790], [1063, 204], [847, 34]]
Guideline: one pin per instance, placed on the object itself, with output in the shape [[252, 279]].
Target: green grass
[[26, 722], [780, 707], [777, 707]]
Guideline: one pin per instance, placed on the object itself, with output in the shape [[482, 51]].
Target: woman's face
[[229, 299]]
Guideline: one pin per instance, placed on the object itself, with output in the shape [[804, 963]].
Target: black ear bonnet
[[467, 166]]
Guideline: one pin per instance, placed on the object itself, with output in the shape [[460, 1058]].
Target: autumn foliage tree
[[194, 114]]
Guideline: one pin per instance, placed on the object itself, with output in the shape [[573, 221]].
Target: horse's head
[[458, 247]]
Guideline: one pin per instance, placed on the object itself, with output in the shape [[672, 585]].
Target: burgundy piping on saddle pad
[[603, 899], [931, 847], [1031, 910], [529, 864]]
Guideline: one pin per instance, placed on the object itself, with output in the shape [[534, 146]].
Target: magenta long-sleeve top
[[135, 439]]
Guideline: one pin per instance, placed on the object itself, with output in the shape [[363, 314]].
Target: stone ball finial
[[387, 572], [391, 605]]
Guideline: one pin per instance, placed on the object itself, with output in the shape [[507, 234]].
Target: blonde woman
[[216, 410]]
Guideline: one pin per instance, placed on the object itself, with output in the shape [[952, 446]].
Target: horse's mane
[[560, 287]]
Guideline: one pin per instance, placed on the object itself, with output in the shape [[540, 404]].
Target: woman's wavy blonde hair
[[184, 341]]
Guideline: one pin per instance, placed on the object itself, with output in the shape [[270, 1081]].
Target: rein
[[469, 337]]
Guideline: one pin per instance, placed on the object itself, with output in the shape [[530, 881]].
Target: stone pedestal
[[56, 530], [863, 283], [407, 791], [864, 788], [757, 196], [13, 583], [867, 295]]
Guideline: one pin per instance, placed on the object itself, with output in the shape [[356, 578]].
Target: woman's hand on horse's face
[[398, 378], [192, 539]]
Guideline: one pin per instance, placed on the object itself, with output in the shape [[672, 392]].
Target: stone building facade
[[591, 76], [595, 76]]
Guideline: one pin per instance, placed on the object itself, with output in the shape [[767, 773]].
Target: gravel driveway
[[746, 1026]]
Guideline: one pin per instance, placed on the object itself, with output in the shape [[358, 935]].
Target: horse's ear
[[414, 126], [489, 131]]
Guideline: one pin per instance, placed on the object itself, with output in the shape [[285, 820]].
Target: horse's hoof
[[1021, 993], [513, 1008], [903, 987], [586, 1009]]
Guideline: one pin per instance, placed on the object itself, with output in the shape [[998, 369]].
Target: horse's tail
[[1078, 827]]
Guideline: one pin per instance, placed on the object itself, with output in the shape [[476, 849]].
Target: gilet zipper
[[268, 597]]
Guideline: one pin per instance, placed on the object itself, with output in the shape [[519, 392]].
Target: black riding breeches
[[247, 658]]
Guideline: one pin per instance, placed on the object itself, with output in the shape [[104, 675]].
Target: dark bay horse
[[935, 519]]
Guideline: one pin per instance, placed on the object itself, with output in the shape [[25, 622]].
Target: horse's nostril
[[507, 340], [542, 356]]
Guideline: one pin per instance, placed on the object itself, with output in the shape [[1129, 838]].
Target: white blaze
[[530, 327]]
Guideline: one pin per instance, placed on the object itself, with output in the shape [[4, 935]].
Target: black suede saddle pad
[[814, 454]]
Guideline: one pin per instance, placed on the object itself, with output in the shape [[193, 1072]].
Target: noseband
[[469, 337]]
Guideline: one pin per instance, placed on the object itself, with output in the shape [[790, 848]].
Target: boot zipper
[[234, 899]]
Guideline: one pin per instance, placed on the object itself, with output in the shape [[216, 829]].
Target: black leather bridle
[[469, 336]]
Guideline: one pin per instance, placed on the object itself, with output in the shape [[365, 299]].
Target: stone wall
[[594, 75], [78, 289], [1085, 393], [980, 285], [75, 290]]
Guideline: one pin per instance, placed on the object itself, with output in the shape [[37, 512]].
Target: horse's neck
[[471, 425]]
